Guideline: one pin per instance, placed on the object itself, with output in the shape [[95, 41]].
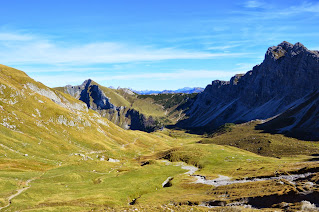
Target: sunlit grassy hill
[[42, 129], [58, 155], [49, 122]]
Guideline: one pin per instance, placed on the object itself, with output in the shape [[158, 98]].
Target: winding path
[[19, 191], [225, 180]]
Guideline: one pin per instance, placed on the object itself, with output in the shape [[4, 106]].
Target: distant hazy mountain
[[186, 90]]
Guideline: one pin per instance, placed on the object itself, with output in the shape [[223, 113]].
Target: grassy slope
[[163, 107], [36, 131], [151, 105], [246, 137], [64, 181], [118, 97], [170, 103]]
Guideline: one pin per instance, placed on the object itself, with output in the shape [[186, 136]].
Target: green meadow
[[63, 157]]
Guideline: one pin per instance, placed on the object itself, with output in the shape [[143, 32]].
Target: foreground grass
[[64, 148], [84, 185]]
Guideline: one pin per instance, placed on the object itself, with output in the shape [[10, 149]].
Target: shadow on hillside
[[195, 131], [301, 134]]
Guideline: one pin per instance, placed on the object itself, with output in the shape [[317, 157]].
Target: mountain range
[[186, 90], [286, 82], [252, 142], [128, 109]]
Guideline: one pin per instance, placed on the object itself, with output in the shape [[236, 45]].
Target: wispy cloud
[[34, 70], [7, 36], [160, 76], [37, 51], [255, 10], [225, 47], [304, 7], [272, 12], [253, 4], [180, 74]]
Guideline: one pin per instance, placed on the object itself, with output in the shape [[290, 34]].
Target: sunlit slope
[[42, 129], [165, 108], [120, 97], [64, 157], [49, 125]]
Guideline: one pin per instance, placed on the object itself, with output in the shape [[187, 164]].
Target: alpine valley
[[247, 144]]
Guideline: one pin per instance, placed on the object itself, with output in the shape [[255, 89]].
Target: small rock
[[167, 182], [113, 160]]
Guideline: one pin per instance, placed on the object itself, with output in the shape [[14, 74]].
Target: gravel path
[[225, 180], [19, 191]]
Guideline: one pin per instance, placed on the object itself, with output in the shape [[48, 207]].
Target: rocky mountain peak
[[284, 49], [286, 45], [287, 74], [86, 83]]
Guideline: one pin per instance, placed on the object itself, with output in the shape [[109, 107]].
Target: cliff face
[[287, 74], [301, 120], [90, 93]]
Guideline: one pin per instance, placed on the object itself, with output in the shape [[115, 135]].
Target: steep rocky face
[[287, 74], [301, 120], [91, 95], [95, 99]]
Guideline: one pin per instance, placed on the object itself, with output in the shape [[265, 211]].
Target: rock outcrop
[[286, 76], [91, 95], [128, 118], [301, 120]]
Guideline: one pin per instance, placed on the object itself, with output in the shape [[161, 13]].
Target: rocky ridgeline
[[91, 95], [128, 118], [288, 77]]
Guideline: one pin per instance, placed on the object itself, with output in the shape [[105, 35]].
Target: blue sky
[[148, 44]]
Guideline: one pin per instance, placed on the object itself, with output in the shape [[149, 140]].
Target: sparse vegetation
[[80, 161], [245, 136], [169, 100]]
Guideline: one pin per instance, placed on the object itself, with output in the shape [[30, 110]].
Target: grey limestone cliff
[[287, 74], [93, 96]]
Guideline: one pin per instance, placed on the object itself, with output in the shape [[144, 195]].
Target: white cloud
[[253, 4], [63, 79], [34, 70], [157, 79], [304, 7], [14, 37], [225, 47], [41, 51], [177, 75], [272, 12]]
